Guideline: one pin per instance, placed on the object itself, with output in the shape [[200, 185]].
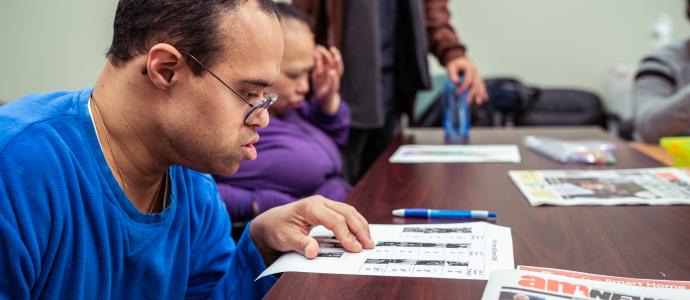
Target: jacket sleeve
[[443, 42], [661, 109]]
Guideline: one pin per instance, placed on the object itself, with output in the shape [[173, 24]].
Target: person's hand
[[286, 228], [472, 81], [325, 78]]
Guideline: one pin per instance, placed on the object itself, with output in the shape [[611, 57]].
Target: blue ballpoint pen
[[437, 213]]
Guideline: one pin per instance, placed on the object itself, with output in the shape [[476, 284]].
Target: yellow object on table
[[678, 148]]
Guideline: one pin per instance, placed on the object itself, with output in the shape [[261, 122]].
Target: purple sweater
[[297, 157]]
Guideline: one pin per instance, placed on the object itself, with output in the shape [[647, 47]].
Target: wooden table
[[654, 151], [630, 241]]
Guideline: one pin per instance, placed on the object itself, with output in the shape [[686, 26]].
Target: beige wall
[[563, 43], [50, 45]]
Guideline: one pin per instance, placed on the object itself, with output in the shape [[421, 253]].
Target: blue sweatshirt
[[68, 231]]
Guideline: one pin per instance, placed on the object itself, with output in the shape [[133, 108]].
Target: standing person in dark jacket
[[384, 45]]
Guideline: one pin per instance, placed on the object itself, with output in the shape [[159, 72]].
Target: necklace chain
[[163, 184]]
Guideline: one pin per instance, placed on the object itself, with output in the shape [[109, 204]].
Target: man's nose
[[259, 118]]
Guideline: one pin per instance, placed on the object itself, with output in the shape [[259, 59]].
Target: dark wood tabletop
[[631, 241]]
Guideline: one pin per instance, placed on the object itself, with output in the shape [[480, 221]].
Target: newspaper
[[453, 251], [455, 154], [656, 186], [546, 284], [655, 283]]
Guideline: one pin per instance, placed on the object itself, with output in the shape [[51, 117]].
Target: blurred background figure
[[385, 45], [298, 151], [662, 93], [523, 47]]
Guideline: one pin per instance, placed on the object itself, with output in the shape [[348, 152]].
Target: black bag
[[563, 107], [513, 103], [506, 98]]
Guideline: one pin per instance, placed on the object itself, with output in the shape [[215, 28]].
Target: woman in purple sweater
[[298, 152]]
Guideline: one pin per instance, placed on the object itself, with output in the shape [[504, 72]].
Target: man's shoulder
[[25, 115]]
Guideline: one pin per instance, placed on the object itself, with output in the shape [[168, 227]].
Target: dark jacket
[[351, 25]]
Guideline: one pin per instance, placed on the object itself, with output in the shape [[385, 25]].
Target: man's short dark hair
[[189, 25], [287, 11]]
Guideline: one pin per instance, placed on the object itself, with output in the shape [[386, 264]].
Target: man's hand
[[325, 78], [472, 81], [286, 228]]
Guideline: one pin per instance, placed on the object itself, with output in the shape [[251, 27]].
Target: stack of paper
[[456, 154], [463, 250]]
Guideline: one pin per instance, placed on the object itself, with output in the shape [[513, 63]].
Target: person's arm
[[17, 267], [334, 188], [325, 78], [660, 109], [246, 264], [286, 228], [445, 45], [230, 270], [443, 42], [243, 203], [217, 266], [23, 239], [327, 110]]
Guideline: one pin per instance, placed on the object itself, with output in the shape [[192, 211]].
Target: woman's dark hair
[[189, 25], [286, 11]]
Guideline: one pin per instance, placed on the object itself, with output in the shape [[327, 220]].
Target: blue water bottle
[[456, 114]]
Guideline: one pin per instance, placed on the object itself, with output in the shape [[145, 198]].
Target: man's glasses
[[255, 105]]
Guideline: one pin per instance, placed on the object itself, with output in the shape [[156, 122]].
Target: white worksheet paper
[[457, 251], [456, 154]]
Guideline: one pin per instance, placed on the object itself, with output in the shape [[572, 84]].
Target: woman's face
[[298, 59]]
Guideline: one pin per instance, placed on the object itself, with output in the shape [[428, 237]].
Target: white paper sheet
[[459, 250], [526, 285], [455, 154], [655, 186]]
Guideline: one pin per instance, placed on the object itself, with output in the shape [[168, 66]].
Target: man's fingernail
[[358, 246]]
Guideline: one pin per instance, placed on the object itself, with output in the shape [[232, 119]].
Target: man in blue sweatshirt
[[103, 192]]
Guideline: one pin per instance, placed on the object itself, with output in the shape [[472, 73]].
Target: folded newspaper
[[534, 283], [655, 186]]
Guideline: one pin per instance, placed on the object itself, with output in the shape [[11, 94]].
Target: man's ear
[[164, 62]]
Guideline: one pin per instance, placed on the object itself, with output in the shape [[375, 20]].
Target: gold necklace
[[163, 184]]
